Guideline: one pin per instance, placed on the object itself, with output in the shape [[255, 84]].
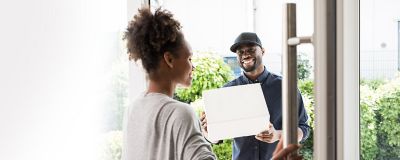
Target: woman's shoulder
[[179, 111], [182, 109]]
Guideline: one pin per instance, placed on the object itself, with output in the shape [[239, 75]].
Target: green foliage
[[373, 84], [210, 72], [380, 119], [368, 140], [389, 113], [386, 151], [223, 150], [112, 146], [303, 67], [306, 88]]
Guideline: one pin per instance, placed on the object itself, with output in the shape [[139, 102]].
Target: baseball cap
[[246, 38]]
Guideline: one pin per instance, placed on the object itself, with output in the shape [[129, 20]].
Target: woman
[[157, 126]]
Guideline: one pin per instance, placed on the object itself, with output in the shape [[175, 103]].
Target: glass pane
[[380, 81]]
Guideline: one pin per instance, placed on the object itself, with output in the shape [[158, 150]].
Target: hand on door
[[283, 153]]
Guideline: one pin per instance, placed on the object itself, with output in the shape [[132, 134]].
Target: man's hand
[[270, 135]]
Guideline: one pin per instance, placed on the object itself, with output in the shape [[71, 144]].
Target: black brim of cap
[[236, 45]]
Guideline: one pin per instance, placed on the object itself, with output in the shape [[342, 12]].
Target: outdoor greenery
[[303, 67], [369, 147], [372, 84], [380, 119], [210, 72], [306, 89], [388, 119], [223, 150]]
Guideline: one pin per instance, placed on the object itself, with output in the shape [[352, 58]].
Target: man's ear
[[263, 51], [168, 58]]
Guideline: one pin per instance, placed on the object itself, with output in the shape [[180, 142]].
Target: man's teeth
[[247, 60]]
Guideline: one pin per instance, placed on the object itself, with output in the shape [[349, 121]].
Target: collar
[[260, 79]]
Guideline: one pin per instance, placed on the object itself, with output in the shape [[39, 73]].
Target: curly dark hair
[[150, 35]]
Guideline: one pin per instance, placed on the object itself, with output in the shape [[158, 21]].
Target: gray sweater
[[157, 127]]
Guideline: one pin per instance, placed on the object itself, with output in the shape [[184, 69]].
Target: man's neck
[[253, 75]]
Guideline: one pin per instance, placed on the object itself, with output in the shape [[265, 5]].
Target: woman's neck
[[161, 86]]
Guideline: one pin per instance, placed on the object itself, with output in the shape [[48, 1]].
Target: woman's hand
[[281, 153]]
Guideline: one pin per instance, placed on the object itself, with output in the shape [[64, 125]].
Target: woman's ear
[[168, 58]]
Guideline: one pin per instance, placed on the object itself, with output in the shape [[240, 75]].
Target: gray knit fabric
[[157, 127]]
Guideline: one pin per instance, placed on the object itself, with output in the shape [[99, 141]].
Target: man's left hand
[[270, 135]]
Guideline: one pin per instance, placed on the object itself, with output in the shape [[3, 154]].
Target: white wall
[[212, 25], [378, 26], [54, 64]]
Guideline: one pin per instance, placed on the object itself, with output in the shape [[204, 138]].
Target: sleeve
[[191, 145], [303, 118]]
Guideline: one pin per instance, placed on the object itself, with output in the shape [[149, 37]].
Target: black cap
[[246, 38]]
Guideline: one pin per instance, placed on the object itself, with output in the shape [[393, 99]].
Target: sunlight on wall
[[54, 65]]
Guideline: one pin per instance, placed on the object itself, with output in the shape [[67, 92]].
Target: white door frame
[[348, 109], [336, 42]]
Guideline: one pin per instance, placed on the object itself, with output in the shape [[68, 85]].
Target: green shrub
[[368, 128], [210, 72], [306, 88], [223, 150], [388, 118], [373, 84], [379, 119], [303, 67]]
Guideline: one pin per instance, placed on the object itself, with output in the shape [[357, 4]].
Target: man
[[249, 52]]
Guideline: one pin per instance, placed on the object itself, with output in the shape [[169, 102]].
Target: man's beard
[[251, 68]]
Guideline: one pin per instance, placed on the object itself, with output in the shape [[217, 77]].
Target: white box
[[235, 111]]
